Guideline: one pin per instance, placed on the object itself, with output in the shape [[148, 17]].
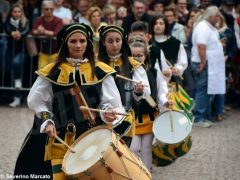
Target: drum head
[[180, 129], [89, 150]]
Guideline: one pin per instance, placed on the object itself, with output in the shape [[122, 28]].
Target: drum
[[171, 127], [164, 154], [171, 142], [101, 155]]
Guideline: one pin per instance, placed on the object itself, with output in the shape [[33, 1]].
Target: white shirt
[[138, 75], [63, 13], [205, 33]]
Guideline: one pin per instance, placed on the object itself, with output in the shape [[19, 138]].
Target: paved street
[[215, 153]]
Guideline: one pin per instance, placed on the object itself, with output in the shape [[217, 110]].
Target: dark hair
[[62, 38], [155, 2], [125, 50], [153, 22], [139, 26], [166, 9]]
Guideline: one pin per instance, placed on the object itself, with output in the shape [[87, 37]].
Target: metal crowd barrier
[[28, 66]]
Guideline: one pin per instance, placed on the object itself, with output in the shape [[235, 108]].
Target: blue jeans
[[202, 99], [15, 62], [218, 104]]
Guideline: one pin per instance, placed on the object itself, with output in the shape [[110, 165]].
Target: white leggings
[[142, 146]]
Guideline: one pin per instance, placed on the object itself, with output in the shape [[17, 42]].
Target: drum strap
[[87, 114]]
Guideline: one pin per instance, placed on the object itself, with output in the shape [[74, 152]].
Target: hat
[[111, 28], [229, 2], [68, 30]]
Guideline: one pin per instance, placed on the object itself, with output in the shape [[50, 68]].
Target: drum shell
[[114, 161], [164, 154]]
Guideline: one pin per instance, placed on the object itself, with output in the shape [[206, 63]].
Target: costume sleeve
[[162, 88], [182, 61], [165, 67], [40, 97], [110, 98], [140, 75]]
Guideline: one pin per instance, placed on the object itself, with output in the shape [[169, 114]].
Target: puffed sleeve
[[140, 74], [40, 96], [110, 98], [182, 61], [162, 88]]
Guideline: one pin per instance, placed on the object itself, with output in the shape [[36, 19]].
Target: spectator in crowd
[[229, 44], [119, 3], [62, 12], [46, 27], [81, 14], [2, 48], [181, 11], [110, 14], [140, 28], [95, 19], [99, 3], [4, 9], [121, 14], [32, 8], [208, 71], [204, 4], [138, 14], [156, 7], [175, 29], [227, 9], [17, 28]]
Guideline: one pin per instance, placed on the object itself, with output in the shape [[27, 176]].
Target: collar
[[115, 58]]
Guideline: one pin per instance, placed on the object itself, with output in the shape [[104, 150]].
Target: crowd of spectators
[[38, 21]]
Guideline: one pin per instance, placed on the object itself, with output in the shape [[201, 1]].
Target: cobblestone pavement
[[215, 153]]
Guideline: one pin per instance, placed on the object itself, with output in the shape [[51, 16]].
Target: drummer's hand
[[168, 104], [175, 71], [50, 129], [167, 73], [138, 88], [110, 115]]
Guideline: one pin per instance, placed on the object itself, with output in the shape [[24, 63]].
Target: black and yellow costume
[[65, 109]]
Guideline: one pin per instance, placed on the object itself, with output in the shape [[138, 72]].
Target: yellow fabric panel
[[146, 126], [66, 69], [44, 59], [135, 64], [55, 150], [60, 175], [131, 120]]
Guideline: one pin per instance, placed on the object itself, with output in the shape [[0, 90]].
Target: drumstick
[[179, 75], [64, 143], [128, 79], [171, 120], [100, 110]]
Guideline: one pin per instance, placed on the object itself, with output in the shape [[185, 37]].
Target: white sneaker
[[16, 102], [210, 122], [18, 83], [202, 124]]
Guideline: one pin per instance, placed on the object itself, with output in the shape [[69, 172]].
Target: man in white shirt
[[208, 65]]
